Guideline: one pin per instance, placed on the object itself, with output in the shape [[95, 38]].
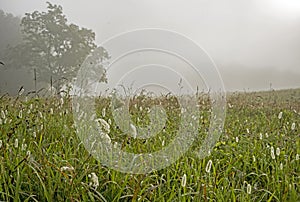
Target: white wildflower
[[280, 115], [183, 180], [267, 135], [272, 153], [51, 111], [94, 180], [237, 139], [293, 126], [34, 134], [208, 166], [163, 143], [249, 188], [260, 136], [134, 132], [248, 131], [297, 157], [277, 151]]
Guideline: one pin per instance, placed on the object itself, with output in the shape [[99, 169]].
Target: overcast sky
[[253, 43]]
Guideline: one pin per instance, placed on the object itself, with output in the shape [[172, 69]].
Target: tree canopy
[[51, 45]]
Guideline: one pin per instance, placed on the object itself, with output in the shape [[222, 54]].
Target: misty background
[[255, 44]]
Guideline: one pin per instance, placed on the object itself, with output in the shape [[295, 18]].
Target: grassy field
[[256, 158]]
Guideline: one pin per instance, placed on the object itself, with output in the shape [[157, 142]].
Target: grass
[[42, 159]]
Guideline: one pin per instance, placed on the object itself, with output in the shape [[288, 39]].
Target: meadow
[[256, 158]]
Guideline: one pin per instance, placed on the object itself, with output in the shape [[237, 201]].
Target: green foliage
[[50, 163]]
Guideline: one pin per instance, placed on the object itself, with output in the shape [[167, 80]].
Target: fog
[[254, 44]]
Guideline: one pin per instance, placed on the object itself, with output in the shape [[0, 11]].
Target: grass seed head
[[277, 151], [183, 180], [67, 168], [103, 125], [267, 135], [208, 166], [3, 115], [103, 112], [94, 180], [281, 166], [28, 154], [23, 146], [16, 144], [249, 189], [272, 153], [133, 130]]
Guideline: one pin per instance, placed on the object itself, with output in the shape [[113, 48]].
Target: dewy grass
[[256, 158]]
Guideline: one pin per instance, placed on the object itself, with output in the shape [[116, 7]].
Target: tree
[[50, 45], [9, 31]]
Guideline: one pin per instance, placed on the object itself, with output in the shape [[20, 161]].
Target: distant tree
[[10, 35], [10, 31], [50, 45]]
